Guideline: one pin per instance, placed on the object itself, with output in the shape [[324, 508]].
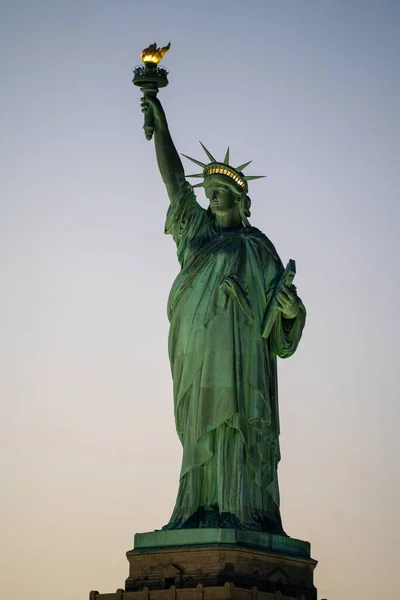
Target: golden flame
[[153, 54]]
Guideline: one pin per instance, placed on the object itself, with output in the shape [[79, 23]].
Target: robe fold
[[224, 372]]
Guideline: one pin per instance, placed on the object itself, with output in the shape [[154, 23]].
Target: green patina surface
[[208, 537], [224, 370]]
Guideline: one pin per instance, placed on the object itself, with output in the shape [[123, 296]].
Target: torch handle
[[148, 125]]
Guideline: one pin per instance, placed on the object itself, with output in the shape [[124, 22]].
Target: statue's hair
[[244, 209]]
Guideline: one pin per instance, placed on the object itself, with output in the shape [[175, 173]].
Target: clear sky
[[310, 91]]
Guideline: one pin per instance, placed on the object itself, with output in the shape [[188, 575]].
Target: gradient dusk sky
[[310, 90]]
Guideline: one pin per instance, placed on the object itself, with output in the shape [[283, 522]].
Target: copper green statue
[[223, 358]]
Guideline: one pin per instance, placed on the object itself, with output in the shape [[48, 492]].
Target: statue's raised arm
[[169, 163]]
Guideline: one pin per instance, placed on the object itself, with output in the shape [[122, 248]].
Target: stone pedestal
[[217, 564]]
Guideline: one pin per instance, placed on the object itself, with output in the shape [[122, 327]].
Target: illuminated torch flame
[[152, 54]]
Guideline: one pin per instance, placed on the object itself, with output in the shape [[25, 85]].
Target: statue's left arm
[[286, 331], [285, 334], [288, 327]]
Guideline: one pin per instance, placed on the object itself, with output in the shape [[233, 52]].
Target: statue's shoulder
[[262, 240]]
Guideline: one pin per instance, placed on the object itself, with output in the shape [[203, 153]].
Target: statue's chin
[[217, 211]]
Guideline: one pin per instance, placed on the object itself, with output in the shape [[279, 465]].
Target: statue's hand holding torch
[[150, 77], [154, 113]]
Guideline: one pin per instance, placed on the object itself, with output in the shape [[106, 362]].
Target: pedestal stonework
[[216, 564]]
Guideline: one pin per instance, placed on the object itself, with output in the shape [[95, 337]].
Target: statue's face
[[222, 197]]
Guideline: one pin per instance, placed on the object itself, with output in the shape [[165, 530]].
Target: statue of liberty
[[223, 367]]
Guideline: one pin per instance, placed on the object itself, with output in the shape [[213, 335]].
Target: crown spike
[[241, 167], [248, 177], [198, 175], [198, 185], [195, 161], [226, 159], [210, 156]]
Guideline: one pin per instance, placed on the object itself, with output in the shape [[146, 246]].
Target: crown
[[222, 168]]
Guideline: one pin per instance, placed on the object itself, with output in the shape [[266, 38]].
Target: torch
[[150, 77]]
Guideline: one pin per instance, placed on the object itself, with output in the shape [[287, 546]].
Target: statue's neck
[[231, 219]]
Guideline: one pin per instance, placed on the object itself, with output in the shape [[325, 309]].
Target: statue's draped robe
[[224, 372]]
